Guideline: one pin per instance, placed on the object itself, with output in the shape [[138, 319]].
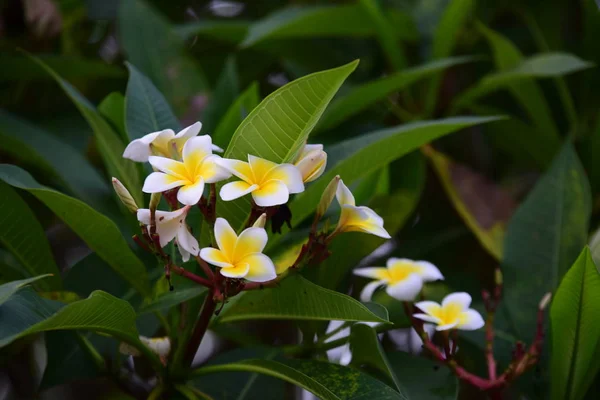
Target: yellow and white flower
[[171, 225], [240, 256], [453, 313], [197, 168], [403, 278], [311, 162], [269, 183], [357, 219], [163, 143]]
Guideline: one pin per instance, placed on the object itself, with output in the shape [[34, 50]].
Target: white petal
[[139, 149], [238, 168], [143, 215], [168, 166], [190, 194], [289, 175], [158, 182], [429, 272], [462, 299], [190, 131], [426, 318], [407, 289], [217, 149], [344, 195], [239, 271], [393, 260], [185, 255], [270, 194], [167, 229], [446, 327], [187, 241], [346, 356], [371, 272], [251, 240], [235, 190], [197, 149], [214, 257], [225, 236], [470, 320], [211, 171], [428, 307], [260, 167], [261, 268], [367, 293], [310, 148]]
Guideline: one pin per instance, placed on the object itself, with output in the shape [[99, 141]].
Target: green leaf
[[235, 114], [326, 381], [96, 230], [170, 299], [279, 126], [363, 96], [153, 46], [33, 145], [595, 246], [228, 31], [484, 207], [112, 108], [110, 145], [10, 288], [423, 379], [297, 299], [368, 352], [146, 109], [544, 238], [225, 93], [367, 153], [575, 330], [24, 237]]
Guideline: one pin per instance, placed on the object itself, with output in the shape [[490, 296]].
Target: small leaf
[[297, 299], [146, 109], [170, 299], [576, 330], [8, 289], [24, 237], [98, 232]]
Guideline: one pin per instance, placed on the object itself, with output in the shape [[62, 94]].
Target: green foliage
[[8, 289]]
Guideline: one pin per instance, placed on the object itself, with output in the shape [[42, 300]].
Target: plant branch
[[191, 276], [208, 309]]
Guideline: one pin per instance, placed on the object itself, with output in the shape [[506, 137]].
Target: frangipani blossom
[[402, 277], [163, 143], [171, 225], [311, 162], [359, 219], [453, 313], [240, 256], [197, 168], [269, 183]]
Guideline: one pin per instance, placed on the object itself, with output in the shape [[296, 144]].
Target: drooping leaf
[[484, 207], [277, 128], [326, 381], [10, 288], [170, 299], [24, 237], [98, 232], [32, 145], [110, 145], [367, 153], [576, 330], [368, 353], [297, 299], [363, 96], [146, 109], [544, 238]]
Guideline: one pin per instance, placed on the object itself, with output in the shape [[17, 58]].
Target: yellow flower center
[[399, 271], [449, 314]]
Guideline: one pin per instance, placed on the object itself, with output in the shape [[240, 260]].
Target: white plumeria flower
[[402, 277], [160, 346], [311, 162], [197, 168], [269, 183], [171, 225], [357, 219], [240, 256], [453, 313], [342, 354], [163, 143]]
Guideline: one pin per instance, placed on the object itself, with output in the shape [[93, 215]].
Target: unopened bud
[[311, 162], [261, 221], [129, 350], [498, 279], [160, 346], [545, 301], [154, 201], [327, 197], [124, 195]]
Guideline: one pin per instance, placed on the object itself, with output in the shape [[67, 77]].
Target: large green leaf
[[110, 145], [10, 288], [98, 232], [363, 96], [34, 146], [367, 153], [297, 299], [171, 298], [325, 380], [423, 379], [153, 46], [576, 330], [24, 237], [544, 238], [112, 107], [146, 109], [279, 126]]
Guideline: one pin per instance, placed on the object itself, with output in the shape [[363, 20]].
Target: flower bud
[[160, 346], [261, 221], [124, 195], [311, 162], [154, 201], [327, 197]]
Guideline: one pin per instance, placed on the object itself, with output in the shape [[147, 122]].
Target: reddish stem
[[191, 276], [208, 309]]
